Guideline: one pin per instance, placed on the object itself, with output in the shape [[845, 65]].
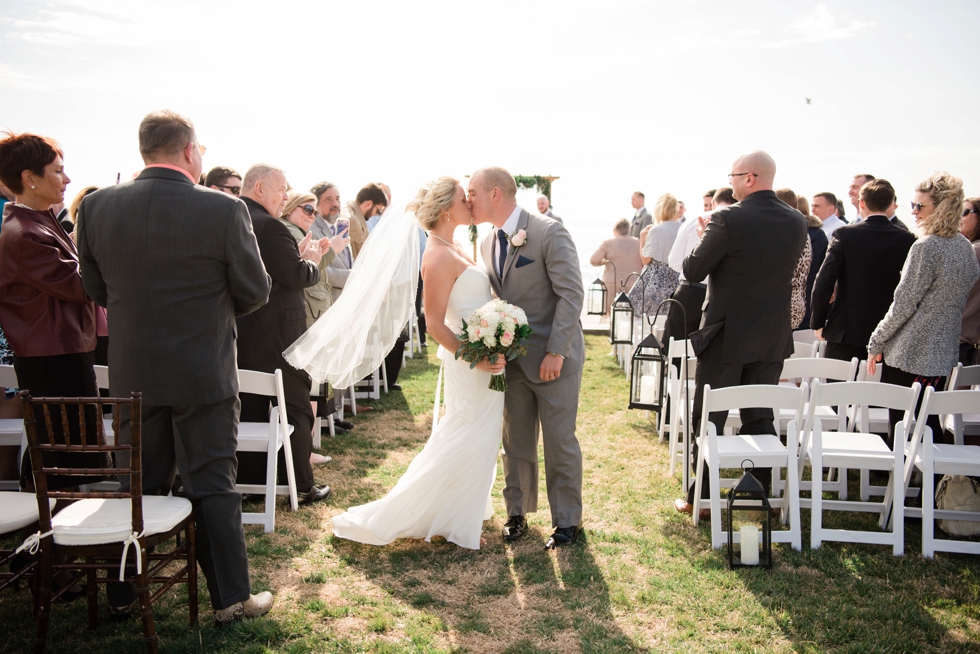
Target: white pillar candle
[[622, 329], [750, 545], [648, 389]]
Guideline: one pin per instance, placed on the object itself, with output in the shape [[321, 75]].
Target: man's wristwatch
[[555, 354]]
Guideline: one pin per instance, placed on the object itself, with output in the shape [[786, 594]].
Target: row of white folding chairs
[[268, 437]]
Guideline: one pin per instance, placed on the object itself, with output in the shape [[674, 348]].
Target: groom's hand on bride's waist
[[551, 367]]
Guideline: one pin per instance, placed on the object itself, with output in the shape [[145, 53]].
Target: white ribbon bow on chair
[[33, 542], [133, 538]]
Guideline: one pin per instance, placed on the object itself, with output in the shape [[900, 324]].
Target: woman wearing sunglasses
[[918, 339], [299, 214], [970, 333]]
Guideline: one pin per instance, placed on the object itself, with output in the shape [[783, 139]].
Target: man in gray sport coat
[[174, 263], [540, 275]]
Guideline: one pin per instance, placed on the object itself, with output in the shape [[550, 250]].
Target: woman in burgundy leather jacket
[[48, 319]]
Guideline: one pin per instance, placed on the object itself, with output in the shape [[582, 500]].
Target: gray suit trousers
[[200, 443], [526, 406]]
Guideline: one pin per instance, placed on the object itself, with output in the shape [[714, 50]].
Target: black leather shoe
[[394, 387], [562, 536], [343, 424], [315, 494], [515, 528]]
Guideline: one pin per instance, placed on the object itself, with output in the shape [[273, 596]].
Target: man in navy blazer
[[748, 253]]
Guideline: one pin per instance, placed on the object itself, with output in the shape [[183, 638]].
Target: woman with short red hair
[[46, 315]]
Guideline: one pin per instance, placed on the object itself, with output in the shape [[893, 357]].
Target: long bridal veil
[[350, 340]]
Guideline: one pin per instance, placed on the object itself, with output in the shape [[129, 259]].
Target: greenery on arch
[[543, 184]]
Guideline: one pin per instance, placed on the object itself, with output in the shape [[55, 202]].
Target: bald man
[[748, 253]]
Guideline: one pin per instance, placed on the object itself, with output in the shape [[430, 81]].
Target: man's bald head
[[752, 172]]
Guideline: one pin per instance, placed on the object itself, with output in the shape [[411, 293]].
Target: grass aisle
[[644, 580]]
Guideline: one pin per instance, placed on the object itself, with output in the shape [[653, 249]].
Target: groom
[[533, 264]]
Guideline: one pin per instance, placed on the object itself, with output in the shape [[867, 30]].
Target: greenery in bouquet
[[496, 329]]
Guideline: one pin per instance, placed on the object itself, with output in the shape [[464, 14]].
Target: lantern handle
[[751, 462]]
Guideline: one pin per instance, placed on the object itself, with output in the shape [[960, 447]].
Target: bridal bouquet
[[495, 329]]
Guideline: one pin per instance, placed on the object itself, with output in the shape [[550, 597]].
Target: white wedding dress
[[446, 489]]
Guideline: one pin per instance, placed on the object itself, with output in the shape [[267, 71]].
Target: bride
[[446, 489]]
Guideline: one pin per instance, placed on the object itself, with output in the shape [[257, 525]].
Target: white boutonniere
[[518, 238]]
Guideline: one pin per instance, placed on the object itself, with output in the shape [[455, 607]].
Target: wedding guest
[[802, 271], [621, 257], [224, 179], [690, 294], [265, 333], [642, 218], [862, 268], [298, 216], [745, 346], [824, 207], [918, 339], [658, 281], [48, 319], [854, 191], [841, 212], [544, 208], [176, 262], [370, 201], [101, 319], [77, 201], [970, 331], [819, 243], [707, 200]]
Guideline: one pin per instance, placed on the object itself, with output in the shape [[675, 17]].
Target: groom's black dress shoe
[[315, 494], [515, 528], [563, 536]]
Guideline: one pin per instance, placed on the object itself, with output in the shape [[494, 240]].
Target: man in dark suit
[[264, 334], [864, 262], [175, 262], [750, 250]]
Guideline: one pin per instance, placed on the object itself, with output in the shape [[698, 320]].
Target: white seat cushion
[[92, 522], [17, 510]]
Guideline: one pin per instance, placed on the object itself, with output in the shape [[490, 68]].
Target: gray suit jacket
[[174, 263], [639, 222], [543, 278]]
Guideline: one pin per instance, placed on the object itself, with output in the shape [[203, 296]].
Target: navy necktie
[[502, 253]]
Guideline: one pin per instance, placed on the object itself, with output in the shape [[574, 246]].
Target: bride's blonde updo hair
[[433, 200]]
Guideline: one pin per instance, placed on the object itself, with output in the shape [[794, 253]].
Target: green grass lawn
[[644, 580]]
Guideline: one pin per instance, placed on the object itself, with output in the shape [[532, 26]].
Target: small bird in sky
[[809, 100]]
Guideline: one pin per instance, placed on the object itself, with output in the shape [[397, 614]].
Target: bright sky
[[612, 96]]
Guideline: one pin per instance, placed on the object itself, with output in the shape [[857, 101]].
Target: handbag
[[958, 493]]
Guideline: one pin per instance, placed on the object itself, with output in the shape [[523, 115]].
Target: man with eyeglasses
[[748, 253], [264, 334], [224, 179], [175, 263]]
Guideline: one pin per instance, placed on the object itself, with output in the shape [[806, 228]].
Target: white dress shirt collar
[[510, 225]]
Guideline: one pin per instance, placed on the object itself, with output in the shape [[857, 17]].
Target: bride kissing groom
[[530, 262]]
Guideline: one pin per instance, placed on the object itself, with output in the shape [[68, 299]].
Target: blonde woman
[[918, 339], [658, 280]]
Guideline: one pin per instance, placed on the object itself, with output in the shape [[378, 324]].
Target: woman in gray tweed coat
[[918, 339]]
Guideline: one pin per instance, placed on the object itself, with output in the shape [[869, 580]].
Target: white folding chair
[[855, 450], [763, 450], [806, 370], [963, 424], [267, 437], [868, 419], [804, 336], [808, 350], [11, 429], [933, 458], [318, 421], [681, 397], [675, 350]]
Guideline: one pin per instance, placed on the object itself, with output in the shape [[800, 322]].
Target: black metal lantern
[[646, 375], [746, 501], [621, 321], [597, 298]]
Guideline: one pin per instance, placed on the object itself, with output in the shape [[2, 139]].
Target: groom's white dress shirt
[[509, 227]]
